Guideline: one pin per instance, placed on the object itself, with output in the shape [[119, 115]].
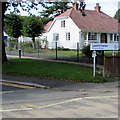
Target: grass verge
[[52, 70]]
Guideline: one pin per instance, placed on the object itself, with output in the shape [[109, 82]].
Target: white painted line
[[51, 105], [6, 92]]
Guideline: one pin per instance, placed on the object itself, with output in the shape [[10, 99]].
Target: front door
[[103, 38]]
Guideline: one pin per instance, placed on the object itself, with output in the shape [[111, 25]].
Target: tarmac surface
[[58, 98]]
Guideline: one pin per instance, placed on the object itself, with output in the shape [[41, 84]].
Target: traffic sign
[[94, 53]]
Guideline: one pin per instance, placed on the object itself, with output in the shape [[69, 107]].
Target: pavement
[[53, 60]]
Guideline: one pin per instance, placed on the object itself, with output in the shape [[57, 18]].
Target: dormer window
[[63, 23]]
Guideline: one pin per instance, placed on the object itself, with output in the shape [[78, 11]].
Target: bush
[[64, 49], [86, 51]]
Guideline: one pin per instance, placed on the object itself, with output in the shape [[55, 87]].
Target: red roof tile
[[47, 25], [94, 21]]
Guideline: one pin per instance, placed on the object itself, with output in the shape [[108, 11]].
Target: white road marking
[[59, 103], [4, 92]]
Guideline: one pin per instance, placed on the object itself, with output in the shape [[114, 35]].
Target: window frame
[[92, 36], [68, 36], [89, 36], [55, 36], [116, 37], [111, 37], [62, 23]]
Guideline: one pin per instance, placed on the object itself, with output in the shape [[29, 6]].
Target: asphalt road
[[10, 88], [68, 101]]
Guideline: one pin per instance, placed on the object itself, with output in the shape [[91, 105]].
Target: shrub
[[86, 51]]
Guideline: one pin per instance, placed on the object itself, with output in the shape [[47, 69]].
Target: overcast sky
[[107, 6]]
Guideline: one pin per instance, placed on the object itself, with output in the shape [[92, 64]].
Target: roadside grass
[[110, 52], [69, 53], [52, 70], [61, 53]]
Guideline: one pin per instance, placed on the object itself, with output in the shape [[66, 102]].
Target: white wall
[[24, 39], [69, 27], [75, 35]]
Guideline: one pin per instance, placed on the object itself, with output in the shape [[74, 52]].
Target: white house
[[71, 27], [24, 39]]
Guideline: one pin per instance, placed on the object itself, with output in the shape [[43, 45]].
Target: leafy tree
[[4, 8], [27, 6], [32, 27], [14, 24], [45, 20], [53, 9], [117, 15]]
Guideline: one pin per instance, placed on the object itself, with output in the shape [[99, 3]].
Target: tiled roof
[[47, 25], [93, 21]]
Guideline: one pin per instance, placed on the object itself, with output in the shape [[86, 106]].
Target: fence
[[111, 66], [27, 49]]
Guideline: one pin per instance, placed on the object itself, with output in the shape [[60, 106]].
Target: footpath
[[38, 82], [53, 60]]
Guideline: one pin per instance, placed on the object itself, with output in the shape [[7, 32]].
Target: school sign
[[105, 46]]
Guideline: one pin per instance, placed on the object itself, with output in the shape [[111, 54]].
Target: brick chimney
[[75, 5], [97, 7]]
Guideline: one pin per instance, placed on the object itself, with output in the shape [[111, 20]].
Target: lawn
[[61, 53], [53, 70], [110, 52]]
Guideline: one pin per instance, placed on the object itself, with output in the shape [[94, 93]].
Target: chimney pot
[[97, 7], [75, 5]]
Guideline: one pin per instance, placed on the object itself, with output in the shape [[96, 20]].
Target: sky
[[107, 6]]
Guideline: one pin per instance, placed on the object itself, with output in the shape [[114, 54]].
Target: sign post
[[56, 49], [94, 61]]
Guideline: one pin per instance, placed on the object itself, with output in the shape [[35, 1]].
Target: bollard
[[19, 53]]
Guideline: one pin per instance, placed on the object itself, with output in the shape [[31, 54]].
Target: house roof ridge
[[71, 12]]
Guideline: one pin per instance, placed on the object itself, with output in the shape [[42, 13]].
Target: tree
[[5, 7], [14, 24], [117, 15], [45, 20], [53, 9], [26, 6], [32, 27]]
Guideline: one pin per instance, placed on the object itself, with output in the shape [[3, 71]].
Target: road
[[9, 88], [85, 100]]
